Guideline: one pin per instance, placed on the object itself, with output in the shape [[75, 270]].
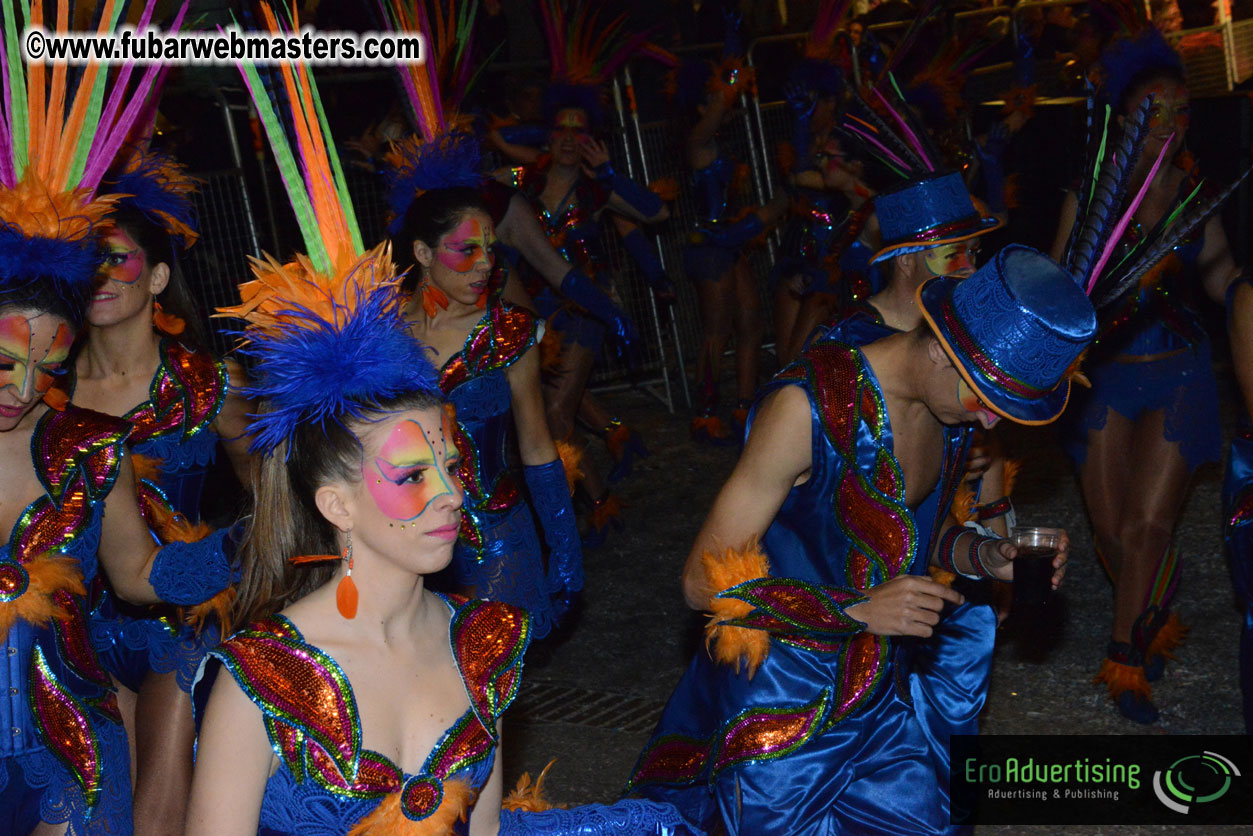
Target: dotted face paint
[[411, 470], [466, 245], [124, 261], [32, 352]]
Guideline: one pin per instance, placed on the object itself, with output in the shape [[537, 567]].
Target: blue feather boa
[[72, 264]]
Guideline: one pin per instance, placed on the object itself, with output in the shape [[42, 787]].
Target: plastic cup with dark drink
[[1033, 567]]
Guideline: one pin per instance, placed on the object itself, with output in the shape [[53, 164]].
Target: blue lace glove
[[187, 574], [642, 250], [550, 497], [640, 198], [582, 291], [625, 818]]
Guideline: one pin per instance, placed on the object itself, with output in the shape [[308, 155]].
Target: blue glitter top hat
[[928, 212], [1015, 331]]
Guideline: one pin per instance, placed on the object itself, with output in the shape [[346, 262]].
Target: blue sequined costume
[[173, 429], [715, 244], [1159, 322], [1238, 532], [327, 781], [822, 738], [574, 232], [63, 754], [498, 553]]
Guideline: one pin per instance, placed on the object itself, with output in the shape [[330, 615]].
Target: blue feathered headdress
[[159, 187], [1128, 57], [325, 329], [333, 356], [415, 166]]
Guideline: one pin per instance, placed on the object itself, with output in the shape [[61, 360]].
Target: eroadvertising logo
[[1194, 779], [1132, 779]]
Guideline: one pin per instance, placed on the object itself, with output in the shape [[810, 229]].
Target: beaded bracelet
[[991, 510], [976, 564], [945, 551]]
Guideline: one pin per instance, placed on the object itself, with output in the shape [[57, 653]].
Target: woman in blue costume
[[1153, 389], [832, 208], [489, 370], [357, 700], [143, 360], [1238, 486], [820, 709], [571, 191], [64, 764], [714, 259]]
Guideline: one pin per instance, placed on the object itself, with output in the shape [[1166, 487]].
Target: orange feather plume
[[46, 574], [389, 819], [530, 797], [572, 460], [270, 299], [37, 209]]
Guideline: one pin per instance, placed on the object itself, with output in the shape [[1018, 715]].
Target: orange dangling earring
[[167, 323], [346, 592], [432, 297]]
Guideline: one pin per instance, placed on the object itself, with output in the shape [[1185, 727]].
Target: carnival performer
[[714, 259], [361, 463], [489, 364], [808, 716], [831, 204], [571, 190], [1153, 390], [1238, 485], [64, 764], [143, 360]]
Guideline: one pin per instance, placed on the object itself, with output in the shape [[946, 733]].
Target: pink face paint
[[124, 259], [410, 471], [571, 120], [950, 260], [972, 404], [468, 244], [1170, 110], [31, 352]]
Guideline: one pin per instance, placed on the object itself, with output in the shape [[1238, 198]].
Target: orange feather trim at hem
[[146, 467], [1119, 678], [1168, 638], [572, 460], [616, 441], [550, 352], [529, 797], [666, 188], [389, 819], [734, 645], [1011, 468], [964, 503], [943, 576], [711, 425], [607, 511], [46, 575]]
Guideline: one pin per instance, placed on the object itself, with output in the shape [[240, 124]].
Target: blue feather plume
[[414, 167], [158, 189], [313, 370]]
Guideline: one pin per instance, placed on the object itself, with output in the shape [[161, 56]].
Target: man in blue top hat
[[826, 702], [930, 227]]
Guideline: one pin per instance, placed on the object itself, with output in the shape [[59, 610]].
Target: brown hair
[[286, 521]]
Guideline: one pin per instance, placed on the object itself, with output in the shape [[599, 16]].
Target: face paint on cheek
[[948, 261], [465, 246], [124, 261], [58, 353], [14, 351], [407, 476], [971, 403]]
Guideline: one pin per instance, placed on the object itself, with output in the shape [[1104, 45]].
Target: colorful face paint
[[32, 352], [972, 404], [1170, 110], [124, 261], [951, 260], [469, 243], [571, 119], [411, 470]]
